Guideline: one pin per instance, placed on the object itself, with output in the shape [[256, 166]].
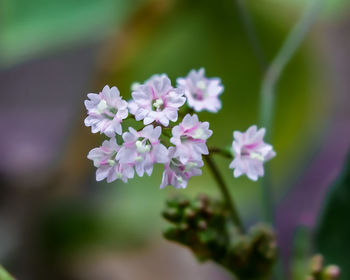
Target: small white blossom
[[107, 166], [176, 173], [106, 111], [202, 93], [250, 152], [190, 138], [142, 149], [156, 101]]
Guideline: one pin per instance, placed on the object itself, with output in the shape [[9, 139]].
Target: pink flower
[[176, 173], [156, 100], [142, 149], [106, 111], [202, 93], [190, 138], [250, 152], [107, 166]]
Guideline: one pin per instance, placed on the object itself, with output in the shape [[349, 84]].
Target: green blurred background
[[56, 222]]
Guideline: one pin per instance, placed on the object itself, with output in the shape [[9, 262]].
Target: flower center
[[158, 104], [201, 90], [103, 109], [199, 134], [141, 147], [102, 106], [179, 179], [251, 154]]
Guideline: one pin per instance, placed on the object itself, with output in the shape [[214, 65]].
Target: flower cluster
[[176, 143], [156, 103]]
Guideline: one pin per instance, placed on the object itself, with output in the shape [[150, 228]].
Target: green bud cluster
[[204, 225], [317, 270]]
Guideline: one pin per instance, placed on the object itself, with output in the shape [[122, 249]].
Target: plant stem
[[284, 55], [223, 152], [271, 78], [251, 34], [225, 193], [267, 95]]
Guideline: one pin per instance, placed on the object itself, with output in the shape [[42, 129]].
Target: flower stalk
[[225, 193]]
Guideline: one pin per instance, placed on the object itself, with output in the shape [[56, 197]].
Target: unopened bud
[[189, 213], [316, 264], [331, 272], [183, 202], [198, 205], [171, 214], [202, 225], [183, 226]]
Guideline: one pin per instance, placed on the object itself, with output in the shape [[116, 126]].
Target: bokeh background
[[56, 222]]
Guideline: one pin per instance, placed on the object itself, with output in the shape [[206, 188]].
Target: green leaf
[[4, 275], [333, 231]]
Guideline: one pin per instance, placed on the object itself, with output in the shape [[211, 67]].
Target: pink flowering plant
[[162, 125], [169, 132], [173, 136]]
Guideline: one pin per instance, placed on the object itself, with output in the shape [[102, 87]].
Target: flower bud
[[331, 272], [316, 264]]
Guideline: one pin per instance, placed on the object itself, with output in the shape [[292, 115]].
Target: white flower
[[107, 166], [250, 153], [156, 100], [142, 149], [176, 173], [190, 138], [202, 93], [106, 111]]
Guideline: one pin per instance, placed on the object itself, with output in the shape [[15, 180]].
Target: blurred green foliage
[[4, 275], [186, 35], [194, 34], [332, 235], [31, 28]]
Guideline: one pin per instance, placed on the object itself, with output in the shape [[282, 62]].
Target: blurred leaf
[[333, 8], [301, 254], [333, 231], [4, 275], [31, 27]]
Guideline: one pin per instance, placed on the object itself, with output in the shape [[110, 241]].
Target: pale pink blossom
[[142, 149], [190, 138], [202, 93], [107, 166], [176, 173], [156, 101], [250, 152], [106, 111]]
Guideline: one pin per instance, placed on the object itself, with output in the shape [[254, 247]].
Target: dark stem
[[225, 193]]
